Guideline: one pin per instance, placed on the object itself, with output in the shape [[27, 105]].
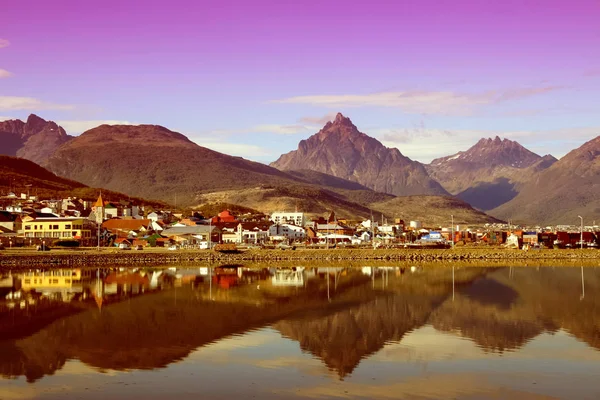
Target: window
[[55, 226], [67, 281], [65, 234], [55, 281], [27, 227], [35, 227], [27, 281], [68, 226]]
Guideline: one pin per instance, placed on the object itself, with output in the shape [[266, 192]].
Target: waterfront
[[16, 258], [307, 332]]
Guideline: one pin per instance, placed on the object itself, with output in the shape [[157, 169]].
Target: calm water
[[319, 333]]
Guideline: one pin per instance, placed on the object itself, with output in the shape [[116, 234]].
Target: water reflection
[[124, 319]]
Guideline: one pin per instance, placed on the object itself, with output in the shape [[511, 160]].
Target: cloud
[[283, 129], [421, 102], [426, 144], [5, 74], [248, 151], [276, 129], [5, 118], [74, 126], [318, 120], [592, 72], [4, 43], [30, 104]]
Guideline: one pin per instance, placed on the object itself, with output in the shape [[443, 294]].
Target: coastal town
[[29, 222]]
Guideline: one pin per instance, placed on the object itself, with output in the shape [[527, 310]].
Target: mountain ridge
[[490, 173], [35, 139], [561, 192], [341, 150]]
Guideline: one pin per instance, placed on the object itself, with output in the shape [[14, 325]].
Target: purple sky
[[252, 78]]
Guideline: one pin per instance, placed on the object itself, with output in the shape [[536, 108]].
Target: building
[[224, 217], [56, 228], [10, 221], [334, 228], [194, 234], [98, 210], [287, 232], [127, 227], [294, 218]]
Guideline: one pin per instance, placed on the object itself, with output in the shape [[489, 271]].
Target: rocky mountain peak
[[341, 150], [341, 120], [35, 140]]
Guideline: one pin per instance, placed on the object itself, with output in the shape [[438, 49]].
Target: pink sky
[[200, 66]]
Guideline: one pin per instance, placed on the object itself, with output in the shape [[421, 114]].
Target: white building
[[415, 225], [294, 218], [369, 224], [287, 231]]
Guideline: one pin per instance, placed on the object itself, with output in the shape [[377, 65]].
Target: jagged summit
[[341, 150], [492, 152], [487, 174], [36, 139]]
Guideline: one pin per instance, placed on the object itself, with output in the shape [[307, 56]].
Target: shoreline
[[79, 258]]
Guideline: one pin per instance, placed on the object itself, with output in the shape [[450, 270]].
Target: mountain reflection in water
[[145, 319]]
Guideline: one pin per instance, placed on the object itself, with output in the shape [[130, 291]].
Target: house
[[10, 221], [252, 232], [155, 216], [530, 238], [334, 228], [223, 217], [287, 232], [122, 242], [244, 232], [55, 227], [294, 218], [127, 226], [194, 234], [110, 210]]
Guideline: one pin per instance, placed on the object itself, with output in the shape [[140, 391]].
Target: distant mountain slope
[[339, 149], [154, 162], [17, 173], [36, 139], [489, 173], [432, 210], [558, 194]]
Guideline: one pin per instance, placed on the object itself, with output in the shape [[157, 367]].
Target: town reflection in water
[[366, 331]]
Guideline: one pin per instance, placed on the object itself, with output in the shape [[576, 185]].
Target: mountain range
[[338, 168], [490, 173]]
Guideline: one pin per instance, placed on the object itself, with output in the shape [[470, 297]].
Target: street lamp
[[581, 232]]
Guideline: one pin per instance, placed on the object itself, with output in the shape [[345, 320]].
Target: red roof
[[126, 224]]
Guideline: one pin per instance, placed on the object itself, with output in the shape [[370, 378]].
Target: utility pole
[[581, 232], [452, 238]]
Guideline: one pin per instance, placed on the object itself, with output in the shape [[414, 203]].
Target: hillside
[[340, 150], [558, 194], [488, 174], [35, 140], [153, 162], [17, 173], [432, 210]]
